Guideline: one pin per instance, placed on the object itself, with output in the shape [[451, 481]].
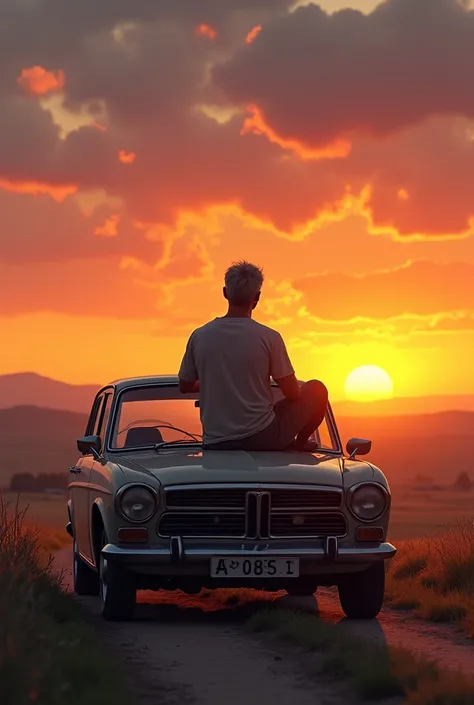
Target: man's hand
[[188, 387], [289, 386]]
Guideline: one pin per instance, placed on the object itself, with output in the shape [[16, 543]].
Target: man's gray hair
[[243, 282]]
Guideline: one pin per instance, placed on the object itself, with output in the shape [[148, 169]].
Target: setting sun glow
[[368, 383]]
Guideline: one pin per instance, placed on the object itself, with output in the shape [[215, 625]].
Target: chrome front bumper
[[178, 553]]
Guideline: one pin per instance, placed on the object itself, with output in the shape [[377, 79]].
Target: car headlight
[[138, 503], [368, 502]]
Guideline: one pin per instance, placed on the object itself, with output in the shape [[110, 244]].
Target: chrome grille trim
[[326, 503]]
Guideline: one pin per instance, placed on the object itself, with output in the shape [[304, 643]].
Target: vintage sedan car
[[150, 509]]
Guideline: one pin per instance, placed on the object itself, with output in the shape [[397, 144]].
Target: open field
[[41, 509], [45, 514], [419, 513]]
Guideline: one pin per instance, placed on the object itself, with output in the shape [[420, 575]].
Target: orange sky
[[357, 204]]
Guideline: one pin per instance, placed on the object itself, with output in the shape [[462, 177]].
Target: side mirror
[[358, 446], [89, 444]]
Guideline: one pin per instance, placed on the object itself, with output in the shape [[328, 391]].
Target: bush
[[436, 576], [43, 635]]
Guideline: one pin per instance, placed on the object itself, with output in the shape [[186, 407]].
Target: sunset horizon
[[135, 171]]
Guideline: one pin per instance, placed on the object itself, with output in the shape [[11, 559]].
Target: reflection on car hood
[[173, 466]]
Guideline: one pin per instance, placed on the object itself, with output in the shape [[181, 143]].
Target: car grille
[[253, 512], [288, 525], [208, 498], [200, 525], [235, 498], [311, 499]]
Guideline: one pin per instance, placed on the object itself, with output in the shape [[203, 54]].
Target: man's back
[[233, 359]]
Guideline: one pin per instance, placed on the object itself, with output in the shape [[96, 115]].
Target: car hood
[[174, 467]]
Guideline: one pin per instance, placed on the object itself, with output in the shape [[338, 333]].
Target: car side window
[[104, 415], [95, 417]]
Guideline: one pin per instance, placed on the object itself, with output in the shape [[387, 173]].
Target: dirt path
[[193, 654], [179, 656]]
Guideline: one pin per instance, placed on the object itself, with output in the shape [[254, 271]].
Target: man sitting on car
[[230, 361]]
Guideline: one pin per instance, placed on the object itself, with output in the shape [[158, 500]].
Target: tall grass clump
[[43, 637], [435, 576]]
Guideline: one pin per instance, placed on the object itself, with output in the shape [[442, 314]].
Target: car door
[[79, 488], [99, 477]]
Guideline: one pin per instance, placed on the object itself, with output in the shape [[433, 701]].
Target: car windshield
[[148, 416]]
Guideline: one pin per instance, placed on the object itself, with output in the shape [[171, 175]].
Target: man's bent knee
[[315, 389]]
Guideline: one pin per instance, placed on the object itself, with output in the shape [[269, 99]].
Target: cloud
[[289, 162], [422, 288], [37, 229], [318, 77], [38, 81], [96, 288]]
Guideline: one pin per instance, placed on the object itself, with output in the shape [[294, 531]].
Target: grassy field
[[49, 655], [435, 577]]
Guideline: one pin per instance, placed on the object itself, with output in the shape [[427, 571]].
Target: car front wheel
[[361, 594], [117, 590], [85, 580]]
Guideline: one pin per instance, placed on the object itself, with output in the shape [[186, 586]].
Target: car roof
[[121, 384], [126, 382]]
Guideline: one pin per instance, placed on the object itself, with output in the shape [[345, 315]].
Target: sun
[[368, 383]]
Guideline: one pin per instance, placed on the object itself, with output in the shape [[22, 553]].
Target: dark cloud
[[151, 80], [317, 77]]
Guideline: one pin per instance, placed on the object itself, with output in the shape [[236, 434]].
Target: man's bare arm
[[289, 386], [188, 387]]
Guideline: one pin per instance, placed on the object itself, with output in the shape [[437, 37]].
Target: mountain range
[[31, 389]]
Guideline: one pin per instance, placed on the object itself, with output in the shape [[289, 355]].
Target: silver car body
[[269, 504]]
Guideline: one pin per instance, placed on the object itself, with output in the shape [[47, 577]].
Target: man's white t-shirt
[[234, 359]]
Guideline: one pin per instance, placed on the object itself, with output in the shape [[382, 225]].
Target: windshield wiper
[[182, 442]]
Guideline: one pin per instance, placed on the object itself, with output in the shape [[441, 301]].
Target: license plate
[[255, 567]]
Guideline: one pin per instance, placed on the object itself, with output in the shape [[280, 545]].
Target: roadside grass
[[435, 577], [376, 672], [49, 655]]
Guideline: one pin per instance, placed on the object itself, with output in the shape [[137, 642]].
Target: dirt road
[[192, 654]]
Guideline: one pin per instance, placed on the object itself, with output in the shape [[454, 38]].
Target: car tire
[[118, 592], [85, 579], [361, 594]]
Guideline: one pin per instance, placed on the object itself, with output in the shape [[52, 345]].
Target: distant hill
[[30, 389], [38, 440], [439, 446], [405, 405], [444, 423]]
